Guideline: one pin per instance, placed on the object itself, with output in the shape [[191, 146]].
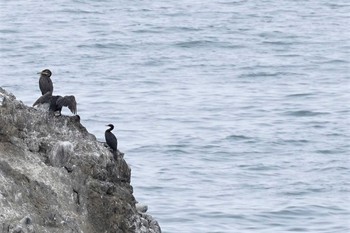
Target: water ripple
[[305, 113]]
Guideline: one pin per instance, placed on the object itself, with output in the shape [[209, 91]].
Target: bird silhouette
[[56, 102], [45, 82], [111, 139]]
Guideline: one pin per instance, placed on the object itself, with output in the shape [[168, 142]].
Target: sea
[[233, 114]]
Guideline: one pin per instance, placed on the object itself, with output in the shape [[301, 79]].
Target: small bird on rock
[[56, 102], [45, 82], [111, 139]]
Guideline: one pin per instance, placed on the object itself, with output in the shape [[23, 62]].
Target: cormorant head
[[45, 72], [111, 126]]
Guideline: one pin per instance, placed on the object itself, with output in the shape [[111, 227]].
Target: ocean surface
[[233, 115]]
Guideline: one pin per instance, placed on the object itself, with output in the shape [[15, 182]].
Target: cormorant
[[111, 140], [56, 102], [45, 82]]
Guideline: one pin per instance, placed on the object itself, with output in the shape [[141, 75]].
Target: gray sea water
[[233, 115]]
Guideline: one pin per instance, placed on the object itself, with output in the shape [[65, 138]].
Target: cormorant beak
[[39, 73]]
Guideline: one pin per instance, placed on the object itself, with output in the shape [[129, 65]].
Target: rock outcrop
[[56, 177]]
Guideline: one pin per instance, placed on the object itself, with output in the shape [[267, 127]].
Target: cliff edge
[[55, 177]]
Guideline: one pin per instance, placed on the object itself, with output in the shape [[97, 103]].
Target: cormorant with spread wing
[[56, 102]]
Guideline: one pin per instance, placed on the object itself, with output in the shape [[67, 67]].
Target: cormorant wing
[[45, 84], [68, 101], [43, 99]]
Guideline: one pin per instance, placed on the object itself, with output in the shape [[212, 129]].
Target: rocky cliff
[[56, 177]]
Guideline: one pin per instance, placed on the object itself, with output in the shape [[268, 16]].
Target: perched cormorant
[[111, 140], [45, 82], [56, 102]]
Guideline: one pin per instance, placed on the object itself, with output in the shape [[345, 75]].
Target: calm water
[[234, 115]]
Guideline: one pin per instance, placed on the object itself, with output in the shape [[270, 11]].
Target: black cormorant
[[56, 102], [45, 82], [111, 140]]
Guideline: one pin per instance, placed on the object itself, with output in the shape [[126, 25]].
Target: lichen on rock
[[56, 177]]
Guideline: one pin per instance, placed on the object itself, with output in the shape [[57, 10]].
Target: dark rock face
[[56, 177]]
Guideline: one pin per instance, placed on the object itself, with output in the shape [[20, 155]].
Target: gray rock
[[56, 177], [141, 207]]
